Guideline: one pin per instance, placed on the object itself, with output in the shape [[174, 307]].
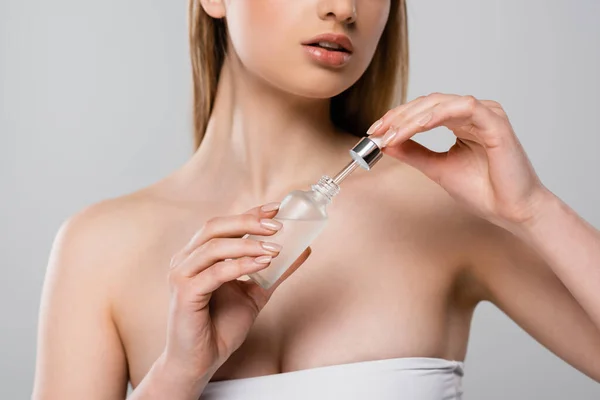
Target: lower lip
[[326, 57]]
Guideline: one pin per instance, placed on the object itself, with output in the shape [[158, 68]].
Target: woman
[[139, 288]]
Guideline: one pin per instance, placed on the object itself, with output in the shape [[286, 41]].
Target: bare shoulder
[[92, 255], [416, 214], [108, 223], [401, 193], [109, 233], [479, 249]]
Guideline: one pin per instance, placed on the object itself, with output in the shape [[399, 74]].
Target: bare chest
[[357, 298]]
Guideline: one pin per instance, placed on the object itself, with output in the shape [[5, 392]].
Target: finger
[[396, 117], [495, 107], [382, 124], [224, 271], [255, 221], [429, 162], [378, 126], [466, 112], [266, 209], [216, 250]]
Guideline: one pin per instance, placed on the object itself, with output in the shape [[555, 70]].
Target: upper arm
[[523, 286], [79, 354]]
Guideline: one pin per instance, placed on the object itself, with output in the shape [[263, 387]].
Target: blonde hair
[[383, 85]]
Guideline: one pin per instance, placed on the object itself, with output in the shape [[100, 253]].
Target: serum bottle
[[303, 214]]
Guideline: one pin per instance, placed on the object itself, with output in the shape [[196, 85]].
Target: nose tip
[[343, 11], [350, 17]]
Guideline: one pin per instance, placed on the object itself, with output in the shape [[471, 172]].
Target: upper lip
[[336, 38]]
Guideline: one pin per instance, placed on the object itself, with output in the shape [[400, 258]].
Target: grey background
[[95, 102]]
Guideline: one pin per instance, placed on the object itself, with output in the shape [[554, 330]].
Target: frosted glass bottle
[[303, 215]]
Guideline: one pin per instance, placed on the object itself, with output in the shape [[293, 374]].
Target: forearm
[[164, 381], [571, 247]]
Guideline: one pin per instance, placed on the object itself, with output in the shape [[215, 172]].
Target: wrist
[[171, 378], [544, 208]]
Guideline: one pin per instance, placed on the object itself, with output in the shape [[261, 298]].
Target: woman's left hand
[[486, 170]]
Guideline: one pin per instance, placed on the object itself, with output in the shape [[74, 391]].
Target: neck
[[261, 142]]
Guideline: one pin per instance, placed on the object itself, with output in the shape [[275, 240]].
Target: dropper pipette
[[365, 154]]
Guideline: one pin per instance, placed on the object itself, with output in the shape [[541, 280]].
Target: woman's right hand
[[211, 311]]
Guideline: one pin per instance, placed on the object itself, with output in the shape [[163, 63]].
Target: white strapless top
[[391, 379]]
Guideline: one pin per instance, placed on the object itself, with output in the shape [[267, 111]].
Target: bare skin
[[407, 288], [397, 272]]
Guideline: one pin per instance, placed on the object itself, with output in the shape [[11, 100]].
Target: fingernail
[[270, 207], [377, 140], [263, 259], [425, 119], [274, 247], [376, 125], [271, 224], [389, 136]]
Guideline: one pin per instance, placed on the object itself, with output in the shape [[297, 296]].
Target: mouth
[[329, 50], [329, 46], [331, 42]]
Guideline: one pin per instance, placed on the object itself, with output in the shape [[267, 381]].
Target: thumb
[[420, 157]]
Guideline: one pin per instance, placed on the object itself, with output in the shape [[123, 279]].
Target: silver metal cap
[[367, 152]]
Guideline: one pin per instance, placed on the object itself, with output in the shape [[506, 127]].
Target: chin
[[316, 91], [315, 82]]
